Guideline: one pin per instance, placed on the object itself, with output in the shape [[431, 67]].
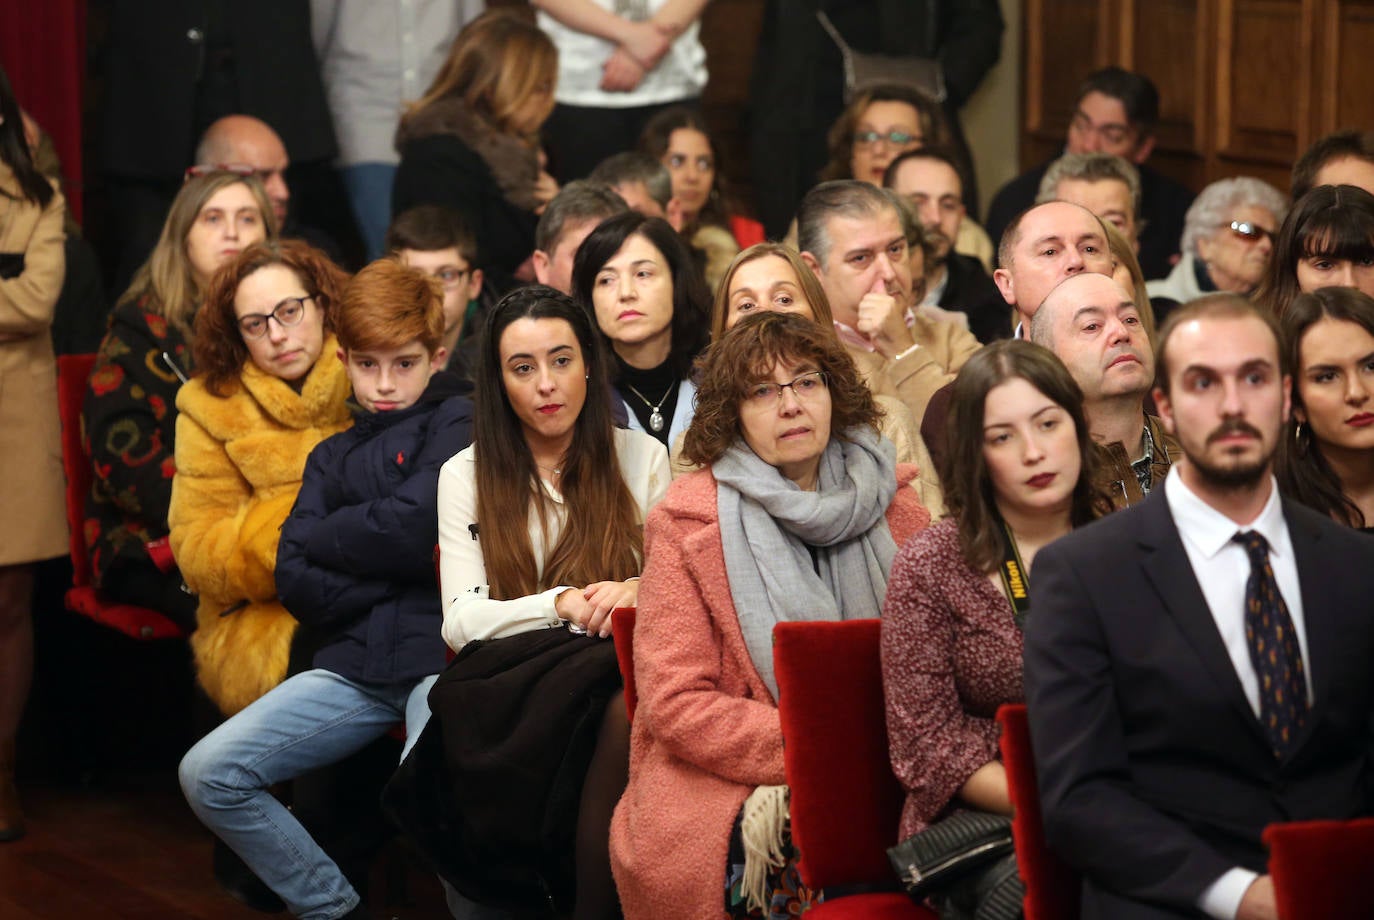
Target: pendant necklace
[[655, 417]]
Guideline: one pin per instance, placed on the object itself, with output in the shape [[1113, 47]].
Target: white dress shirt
[[1222, 568]]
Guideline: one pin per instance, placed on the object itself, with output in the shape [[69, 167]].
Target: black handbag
[[965, 864]]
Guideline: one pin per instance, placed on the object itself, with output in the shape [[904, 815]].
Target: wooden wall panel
[[1263, 50], [1344, 76], [1168, 40], [1068, 43], [1245, 85], [730, 33]]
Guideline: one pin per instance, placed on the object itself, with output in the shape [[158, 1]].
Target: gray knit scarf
[[767, 523]]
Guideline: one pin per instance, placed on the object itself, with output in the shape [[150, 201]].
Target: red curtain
[[43, 49]]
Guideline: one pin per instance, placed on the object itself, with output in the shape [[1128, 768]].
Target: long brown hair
[[497, 62], [603, 537], [166, 283], [964, 471], [1303, 473], [218, 346]]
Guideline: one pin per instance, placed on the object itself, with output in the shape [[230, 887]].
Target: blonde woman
[[130, 413], [471, 142]]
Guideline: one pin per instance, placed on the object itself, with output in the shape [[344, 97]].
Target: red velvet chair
[[1052, 888], [73, 371], [623, 633], [846, 803], [1321, 869]]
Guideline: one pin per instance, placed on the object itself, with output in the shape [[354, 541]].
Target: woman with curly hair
[[268, 388], [1228, 240], [796, 515], [130, 416], [680, 140], [881, 124]]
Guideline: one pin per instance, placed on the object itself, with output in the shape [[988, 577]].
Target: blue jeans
[[308, 721], [369, 192]]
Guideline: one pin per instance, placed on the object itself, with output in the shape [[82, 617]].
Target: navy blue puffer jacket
[[355, 564]]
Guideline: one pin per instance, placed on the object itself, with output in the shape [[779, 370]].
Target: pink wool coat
[[706, 730]]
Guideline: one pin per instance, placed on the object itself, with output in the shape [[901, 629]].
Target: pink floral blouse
[[951, 655]]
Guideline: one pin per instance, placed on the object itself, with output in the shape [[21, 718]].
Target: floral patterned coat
[[129, 423]]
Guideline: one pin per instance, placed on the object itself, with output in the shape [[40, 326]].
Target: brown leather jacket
[[1117, 480]]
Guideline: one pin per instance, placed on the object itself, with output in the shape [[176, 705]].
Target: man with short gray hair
[[644, 183], [852, 236], [568, 220]]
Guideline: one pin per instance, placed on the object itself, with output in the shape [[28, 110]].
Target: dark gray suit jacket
[[1155, 776]]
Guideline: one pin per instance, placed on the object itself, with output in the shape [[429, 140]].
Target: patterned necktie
[[1274, 649]]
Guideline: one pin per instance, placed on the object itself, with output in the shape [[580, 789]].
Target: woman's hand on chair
[[602, 598]]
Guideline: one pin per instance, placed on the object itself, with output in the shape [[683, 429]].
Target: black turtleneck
[[653, 384]]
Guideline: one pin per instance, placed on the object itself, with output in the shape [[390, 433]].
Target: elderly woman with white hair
[[1228, 237]]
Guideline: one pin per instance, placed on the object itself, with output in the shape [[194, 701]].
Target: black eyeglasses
[[1250, 232], [289, 312]]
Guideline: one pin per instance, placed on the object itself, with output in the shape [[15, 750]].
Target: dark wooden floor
[[110, 835], [130, 849]]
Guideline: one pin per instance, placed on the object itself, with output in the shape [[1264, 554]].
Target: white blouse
[[468, 612]]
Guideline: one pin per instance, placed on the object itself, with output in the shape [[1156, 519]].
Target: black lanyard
[[1015, 578]]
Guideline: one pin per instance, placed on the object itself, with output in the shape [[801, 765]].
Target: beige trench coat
[[31, 481]]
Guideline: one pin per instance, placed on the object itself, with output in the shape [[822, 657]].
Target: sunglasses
[[1251, 233]]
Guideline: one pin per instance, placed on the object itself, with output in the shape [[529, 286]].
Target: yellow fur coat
[[239, 462]]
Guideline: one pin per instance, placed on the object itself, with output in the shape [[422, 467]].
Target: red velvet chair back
[[73, 372], [1052, 888], [846, 803], [1321, 869], [623, 633], [746, 231]]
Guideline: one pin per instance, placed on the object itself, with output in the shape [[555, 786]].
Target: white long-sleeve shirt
[[469, 613]]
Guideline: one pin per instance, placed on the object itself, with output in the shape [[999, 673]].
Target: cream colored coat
[[32, 499]]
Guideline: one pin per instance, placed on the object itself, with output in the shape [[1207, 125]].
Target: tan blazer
[[31, 483], [915, 376]]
